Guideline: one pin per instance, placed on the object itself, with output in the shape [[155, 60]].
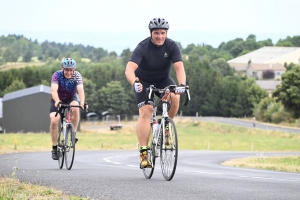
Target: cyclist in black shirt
[[150, 64]]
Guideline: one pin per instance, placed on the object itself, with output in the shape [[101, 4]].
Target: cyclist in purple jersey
[[150, 64], [67, 87], [64, 84]]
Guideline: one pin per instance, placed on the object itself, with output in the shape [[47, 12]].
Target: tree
[[188, 49], [10, 56], [113, 98], [229, 95], [90, 94], [235, 51], [289, 42], [288, 93], [268, 74], [251, 37], [76, 56], [267, 42], [113, 54], [99, 53], [249, 95], [15, 86], [125, 55], [27, 57], [223, 67]]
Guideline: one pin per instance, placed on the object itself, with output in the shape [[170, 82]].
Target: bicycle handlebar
[[62, 105], [172, 88]]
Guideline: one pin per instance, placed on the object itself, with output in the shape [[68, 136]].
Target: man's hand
[[180, 90], [56, 103], [138, 87]]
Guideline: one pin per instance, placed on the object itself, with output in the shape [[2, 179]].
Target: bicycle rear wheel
[[169, 151], [148, 172], [60, 150], [69, 147]]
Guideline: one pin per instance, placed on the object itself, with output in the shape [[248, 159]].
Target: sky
[[115, 25]]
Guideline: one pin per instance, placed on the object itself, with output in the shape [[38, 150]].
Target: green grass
[[213, 136], [192, 136], [282, 163], [11, 188], [17, 65]]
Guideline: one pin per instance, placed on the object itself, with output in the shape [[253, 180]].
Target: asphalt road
[[116, 175]]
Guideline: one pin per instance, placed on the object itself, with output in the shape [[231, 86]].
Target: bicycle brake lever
[[150, 92], [188, 93]]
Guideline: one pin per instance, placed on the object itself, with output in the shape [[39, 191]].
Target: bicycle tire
[[60, 150], [148, 172], [169, 152], [69, 146]]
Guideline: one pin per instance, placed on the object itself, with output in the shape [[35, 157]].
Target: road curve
[[246, 123], [116, 175]]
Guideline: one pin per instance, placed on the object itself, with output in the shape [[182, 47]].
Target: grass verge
[[11, 188], [282, 163]]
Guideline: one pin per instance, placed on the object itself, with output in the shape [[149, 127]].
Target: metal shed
[[27, 110]]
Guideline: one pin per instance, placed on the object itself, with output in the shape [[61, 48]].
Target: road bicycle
[[163, 139], [66, 135]]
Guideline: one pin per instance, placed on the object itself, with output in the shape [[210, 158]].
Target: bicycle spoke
[[69, 147], [169, 152], [60, 150], [148, 172]]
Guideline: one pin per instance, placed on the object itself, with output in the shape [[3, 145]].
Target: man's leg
[[143, 124], [54, 121], [175, 100], [142, 131], [75, 115]]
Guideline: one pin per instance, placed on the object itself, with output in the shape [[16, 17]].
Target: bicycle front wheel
[[169, 150], [148, 172], [69, 147], [60, 149]]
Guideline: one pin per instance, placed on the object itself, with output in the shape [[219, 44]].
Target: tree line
[[216, 90]]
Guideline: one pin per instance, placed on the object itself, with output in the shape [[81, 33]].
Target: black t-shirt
[[154, 62]]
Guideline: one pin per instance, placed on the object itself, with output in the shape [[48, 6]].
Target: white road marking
[[108, 159], [250, 177]]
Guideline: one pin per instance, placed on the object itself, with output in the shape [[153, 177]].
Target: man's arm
[[129, 72], [81, 94], [55, 97], [180, 72]]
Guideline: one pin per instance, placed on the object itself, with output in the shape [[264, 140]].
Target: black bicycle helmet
[[68, 63], [158, 23]]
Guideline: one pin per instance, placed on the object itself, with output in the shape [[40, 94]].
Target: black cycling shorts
[[140, 97], [68, 101]]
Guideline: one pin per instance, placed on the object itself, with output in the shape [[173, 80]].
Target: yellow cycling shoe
[[145, 163]]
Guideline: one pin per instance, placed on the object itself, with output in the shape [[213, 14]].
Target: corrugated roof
[[264, 55], [26, 92], [268, 84]]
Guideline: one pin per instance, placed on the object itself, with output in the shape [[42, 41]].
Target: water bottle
[[157, 132]]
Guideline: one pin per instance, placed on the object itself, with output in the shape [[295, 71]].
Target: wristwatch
[[183, 84]]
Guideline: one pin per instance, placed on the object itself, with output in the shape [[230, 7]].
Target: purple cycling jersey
[[66, 87]]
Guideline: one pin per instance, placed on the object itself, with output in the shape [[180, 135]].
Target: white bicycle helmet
[[68, 63], [158, 23]]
